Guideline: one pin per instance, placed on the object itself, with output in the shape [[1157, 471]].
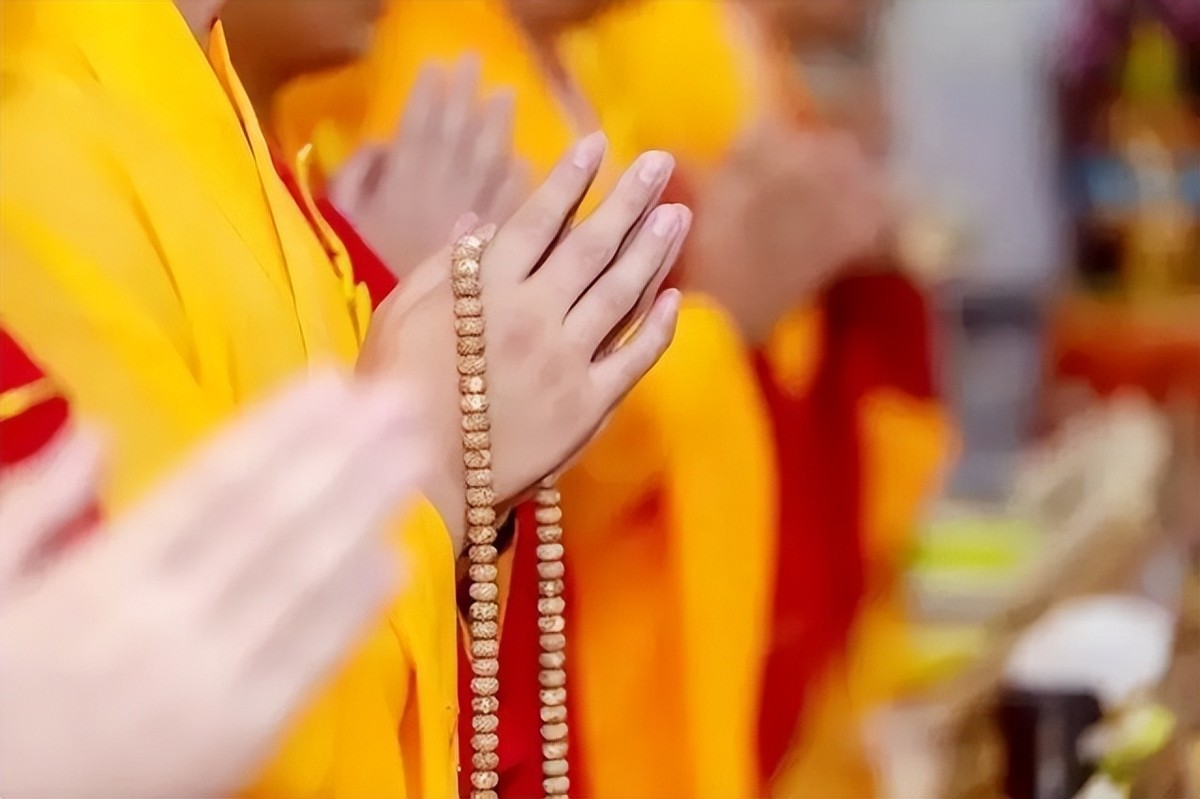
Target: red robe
[[29, 429], [32, 424], [875, 334]]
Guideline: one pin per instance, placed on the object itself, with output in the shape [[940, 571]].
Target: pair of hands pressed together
[[451, 155], [555, 297], [782, 217], [164, 654]]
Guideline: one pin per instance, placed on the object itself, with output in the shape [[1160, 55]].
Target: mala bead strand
[[484, 610], [552, 659]]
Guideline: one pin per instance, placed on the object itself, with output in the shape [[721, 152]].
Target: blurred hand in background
[[451, 155], [780, 218]]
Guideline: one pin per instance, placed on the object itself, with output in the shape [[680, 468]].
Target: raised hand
[[783, 215], [163, 655], [451, 154], [555, 298]]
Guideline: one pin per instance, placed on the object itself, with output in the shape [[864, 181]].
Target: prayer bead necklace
[[484, 611]]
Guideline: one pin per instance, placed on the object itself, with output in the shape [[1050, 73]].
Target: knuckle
[[519, 332], [590, 251]]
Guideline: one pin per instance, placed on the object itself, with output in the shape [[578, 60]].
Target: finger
[[465, 224], [601, 310], [304, 588], [42, 498], [421, 122], [490, 157], [460, 109], [511, 194], [358, 472], [358, 178], [591, 246], [232, 467], [615, 375], [646, 301], [519, 246]]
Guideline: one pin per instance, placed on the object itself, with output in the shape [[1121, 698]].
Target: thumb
[[40, 498]]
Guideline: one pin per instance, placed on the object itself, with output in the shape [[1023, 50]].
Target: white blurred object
[[1101, 787], [1113, 645]]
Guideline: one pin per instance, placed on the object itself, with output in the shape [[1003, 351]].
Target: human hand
[[556, 298], [780, 219], [452, 154], [164, 655]]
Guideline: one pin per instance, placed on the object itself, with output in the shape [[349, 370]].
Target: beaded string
[[484, 611]]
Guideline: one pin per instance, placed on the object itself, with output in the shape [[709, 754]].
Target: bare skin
[[548, 314], [451, 154], [239, 582], [551, 378]]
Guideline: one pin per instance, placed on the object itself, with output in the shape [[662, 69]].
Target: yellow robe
[[160, 272], [678, 76], [656, 593]]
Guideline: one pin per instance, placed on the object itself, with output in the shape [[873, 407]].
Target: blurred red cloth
[[875, 335], [30, 431]]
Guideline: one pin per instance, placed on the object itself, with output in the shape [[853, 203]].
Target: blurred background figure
[[874, 438], [789, 194]]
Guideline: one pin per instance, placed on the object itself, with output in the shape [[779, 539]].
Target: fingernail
[[666, 221], [685, 218], [671, 300], [589, 151], [654, 168]]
